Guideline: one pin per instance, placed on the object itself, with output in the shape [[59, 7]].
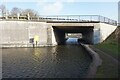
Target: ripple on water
[[62, 61]]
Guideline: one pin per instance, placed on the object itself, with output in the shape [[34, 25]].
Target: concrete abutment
[[59, 35], [20, 33]]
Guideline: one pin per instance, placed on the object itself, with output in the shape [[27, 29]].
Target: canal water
[[63, 61]]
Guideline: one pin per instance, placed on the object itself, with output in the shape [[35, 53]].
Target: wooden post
[[28, 16], [18, 16], [38, 18]]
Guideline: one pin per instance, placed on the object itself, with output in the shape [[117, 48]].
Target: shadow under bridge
[[61, 31]]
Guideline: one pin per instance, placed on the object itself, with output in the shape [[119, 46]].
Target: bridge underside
[[87, 33]]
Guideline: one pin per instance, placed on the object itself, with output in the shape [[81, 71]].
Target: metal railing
[[65, 18], [82, 18]]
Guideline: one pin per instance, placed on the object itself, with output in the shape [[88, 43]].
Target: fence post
[[6, 17], [28, 16], [18, 16], [38, 18], [108, 21]]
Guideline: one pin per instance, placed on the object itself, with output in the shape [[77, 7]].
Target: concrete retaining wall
[[106, 30], [19, 33], [102, 31]]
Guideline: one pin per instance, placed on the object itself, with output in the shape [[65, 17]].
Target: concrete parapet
[[19, 33]]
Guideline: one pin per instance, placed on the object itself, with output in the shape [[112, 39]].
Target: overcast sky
[[108, 8]]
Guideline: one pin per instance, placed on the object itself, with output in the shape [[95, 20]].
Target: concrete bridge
[[51, 31]]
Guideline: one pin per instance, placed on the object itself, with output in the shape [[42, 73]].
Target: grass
[[109, 68], [110, 47]]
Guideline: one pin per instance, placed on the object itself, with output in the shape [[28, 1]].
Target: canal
[[63, 61]]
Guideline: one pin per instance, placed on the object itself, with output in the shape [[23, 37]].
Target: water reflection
[[63, 61], [37, 54]]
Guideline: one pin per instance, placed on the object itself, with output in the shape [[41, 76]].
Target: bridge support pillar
[[96, 36], [88, 37], [59, 35], [51, 38]]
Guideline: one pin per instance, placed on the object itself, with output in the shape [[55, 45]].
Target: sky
[[119, 13], [107, 8]]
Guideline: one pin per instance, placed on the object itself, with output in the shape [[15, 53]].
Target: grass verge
[[109, 53], [111, 47], [108, 69]]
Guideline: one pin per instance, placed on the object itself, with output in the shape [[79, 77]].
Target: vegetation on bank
[[108, 69], [111, 46]]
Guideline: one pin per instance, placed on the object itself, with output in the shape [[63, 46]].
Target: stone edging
[[96, 61]]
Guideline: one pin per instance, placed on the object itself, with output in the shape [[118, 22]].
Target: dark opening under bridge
[[51, 30]]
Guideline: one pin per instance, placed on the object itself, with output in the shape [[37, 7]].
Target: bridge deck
[[73, 21], [66, 19]]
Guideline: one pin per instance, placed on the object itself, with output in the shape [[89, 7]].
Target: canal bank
[[109, 67], [96, 61], [109, 53]]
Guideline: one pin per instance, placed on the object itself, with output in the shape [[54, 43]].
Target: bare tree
[[3, 9], [32, 13], [16, 11]]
